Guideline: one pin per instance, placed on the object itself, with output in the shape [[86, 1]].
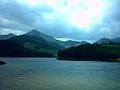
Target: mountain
[[84, 42], [40, 35], [105, 41], [71, 43], [117, 40], [11, 48], [49, 38], [33, 40], [68, 43], [5, 37]]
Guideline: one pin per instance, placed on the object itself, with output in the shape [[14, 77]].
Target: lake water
[[52, 74]]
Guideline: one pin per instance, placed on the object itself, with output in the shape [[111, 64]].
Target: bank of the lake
[[88, 59], [2, 62]]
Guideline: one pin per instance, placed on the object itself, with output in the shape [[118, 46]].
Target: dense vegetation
[[11, 48], [37, 44], [91, 52]]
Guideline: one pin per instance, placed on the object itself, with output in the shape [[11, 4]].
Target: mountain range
[[37, 44], [34, 42], [102, 50]]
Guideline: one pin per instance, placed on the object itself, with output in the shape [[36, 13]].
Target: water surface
[[52, 74]]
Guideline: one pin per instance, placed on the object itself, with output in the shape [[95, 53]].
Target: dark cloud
[[20, 18]]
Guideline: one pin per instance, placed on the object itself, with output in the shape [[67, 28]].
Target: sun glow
[[32, 2], [80, 19], [80, 13], [83, 17]]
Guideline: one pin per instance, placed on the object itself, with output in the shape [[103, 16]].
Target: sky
[[63, 19]]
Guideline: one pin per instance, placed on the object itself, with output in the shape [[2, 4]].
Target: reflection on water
[[51, 74]]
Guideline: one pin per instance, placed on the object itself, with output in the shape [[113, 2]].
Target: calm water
[[51, 74]]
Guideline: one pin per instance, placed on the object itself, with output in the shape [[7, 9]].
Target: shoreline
[[73, 59], [88, 59], [2, 62]]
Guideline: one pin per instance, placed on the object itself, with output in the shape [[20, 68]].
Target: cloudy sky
[[62, 19]]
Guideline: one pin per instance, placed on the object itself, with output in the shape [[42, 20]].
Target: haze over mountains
[[37, 44]]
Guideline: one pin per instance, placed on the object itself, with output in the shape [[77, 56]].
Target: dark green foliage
[[91, 51], [37, 44], [11, 48]]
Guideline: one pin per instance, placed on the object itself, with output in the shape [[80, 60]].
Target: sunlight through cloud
[[79, 13], [68, 16]]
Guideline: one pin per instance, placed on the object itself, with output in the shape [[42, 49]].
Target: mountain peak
[[84, 42], [8, 36], [104, 41], [38, 34], [34, 31], [11, 34]]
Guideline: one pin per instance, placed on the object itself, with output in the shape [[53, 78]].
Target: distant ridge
[[71, 43], [105, 41], [117, 40], [8, 36]]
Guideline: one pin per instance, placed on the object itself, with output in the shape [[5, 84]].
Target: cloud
[[111, 30], [57, 18], [7, 31]]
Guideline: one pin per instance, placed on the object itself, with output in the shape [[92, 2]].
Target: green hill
[[35, 42], [91, 52], [11, 48]]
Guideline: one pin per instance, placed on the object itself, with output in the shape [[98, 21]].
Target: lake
[[52, 74]]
